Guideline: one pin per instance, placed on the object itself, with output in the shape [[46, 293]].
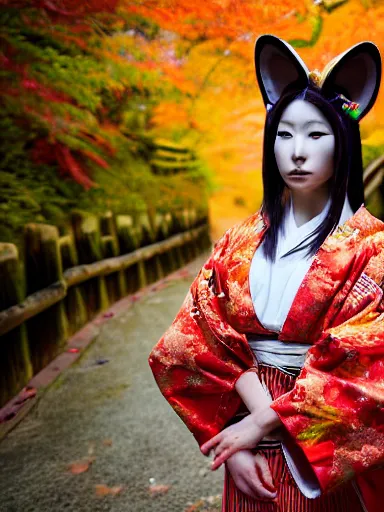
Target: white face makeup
[[304, 147]]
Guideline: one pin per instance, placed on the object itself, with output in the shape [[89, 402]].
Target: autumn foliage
[[88, 86]]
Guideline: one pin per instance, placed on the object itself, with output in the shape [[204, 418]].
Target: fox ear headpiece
[[352, 78]]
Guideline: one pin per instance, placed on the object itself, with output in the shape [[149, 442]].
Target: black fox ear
[[356, 73], [277, 66]]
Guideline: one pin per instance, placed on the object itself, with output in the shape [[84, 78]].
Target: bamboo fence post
[[162, 233], [171, 254], [194, 244], [74, 300], [129, 241], [88, 243], [116, 285], [153, 270], [198, 222], [185, 223], [205, 239], [47, 331], [177, 227], [15, 363]]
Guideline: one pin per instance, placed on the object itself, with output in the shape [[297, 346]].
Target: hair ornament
[[350, 107], [315, 77]]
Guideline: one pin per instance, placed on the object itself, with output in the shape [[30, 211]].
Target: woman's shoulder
[[237, 235], [365, 223], [368, 231], [361, 233], [252, 224]]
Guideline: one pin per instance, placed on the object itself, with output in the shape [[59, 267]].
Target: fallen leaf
[[10, 411], [195, 506], [155, 490], [104, 490], [25, 394], [205, 504], [80, 466], [107, 442]]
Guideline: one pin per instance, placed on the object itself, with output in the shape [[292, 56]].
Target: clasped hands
[[250, 471]]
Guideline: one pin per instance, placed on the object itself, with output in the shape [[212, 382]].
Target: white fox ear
[[277, 66], [356, 73]]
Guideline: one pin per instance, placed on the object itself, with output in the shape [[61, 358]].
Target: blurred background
[[153, 105], [130, 133]]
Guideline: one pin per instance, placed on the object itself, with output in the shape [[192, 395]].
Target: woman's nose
[[298, 154]]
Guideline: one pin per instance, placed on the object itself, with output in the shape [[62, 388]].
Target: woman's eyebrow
[[305, 124]]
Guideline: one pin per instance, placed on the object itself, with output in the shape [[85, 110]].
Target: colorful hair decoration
[[350, 107]]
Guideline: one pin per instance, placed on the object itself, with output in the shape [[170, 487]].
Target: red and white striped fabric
[[289, 498]]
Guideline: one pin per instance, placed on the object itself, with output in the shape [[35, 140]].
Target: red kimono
[[334, 410]]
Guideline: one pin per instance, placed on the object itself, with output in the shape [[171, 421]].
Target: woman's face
[[304, 147]]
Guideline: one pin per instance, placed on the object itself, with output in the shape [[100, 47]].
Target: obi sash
[[288, 357]]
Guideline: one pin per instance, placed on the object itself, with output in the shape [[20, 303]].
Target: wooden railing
[[374, 186], [64, 281], [373, 175]]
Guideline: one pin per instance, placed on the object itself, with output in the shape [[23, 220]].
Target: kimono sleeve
[[335, 411], [193, 363]]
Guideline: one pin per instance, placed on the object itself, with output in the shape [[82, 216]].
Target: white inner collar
[[291, 236]]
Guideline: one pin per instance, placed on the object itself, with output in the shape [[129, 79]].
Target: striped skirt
[[289, 498]]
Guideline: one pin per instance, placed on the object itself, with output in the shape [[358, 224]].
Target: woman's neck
[[306, 205]]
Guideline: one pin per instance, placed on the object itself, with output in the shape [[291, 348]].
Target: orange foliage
[[170, 114], [204, 50], [224, 101], [212, 19]]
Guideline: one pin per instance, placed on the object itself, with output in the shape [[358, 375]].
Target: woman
[[299, 280]]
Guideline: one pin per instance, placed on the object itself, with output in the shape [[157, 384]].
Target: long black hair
[[348, 168]]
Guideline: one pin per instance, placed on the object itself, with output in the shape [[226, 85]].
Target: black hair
[[348, 168]]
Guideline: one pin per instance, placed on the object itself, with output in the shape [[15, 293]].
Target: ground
[[101, 437]]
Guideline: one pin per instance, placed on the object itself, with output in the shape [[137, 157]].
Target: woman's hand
[[251, 474], [247, 433], [242, 435]]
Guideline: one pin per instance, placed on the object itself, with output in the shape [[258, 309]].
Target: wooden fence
[[373, 176], [64, 281]]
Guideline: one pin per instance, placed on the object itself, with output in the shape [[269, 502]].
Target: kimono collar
[[292, 236]]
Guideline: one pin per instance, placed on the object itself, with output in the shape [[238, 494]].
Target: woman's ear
[[277, 66], [356, 73]]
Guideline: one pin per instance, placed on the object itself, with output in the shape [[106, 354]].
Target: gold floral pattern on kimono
[[335, 412]]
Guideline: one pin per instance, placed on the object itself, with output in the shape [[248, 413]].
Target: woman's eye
[[316, 135], [284, 135]]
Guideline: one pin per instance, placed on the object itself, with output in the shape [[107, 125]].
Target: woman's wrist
[[266, 419], [250, 390]]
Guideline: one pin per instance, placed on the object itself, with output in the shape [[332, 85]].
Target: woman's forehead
[[304, 113]]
